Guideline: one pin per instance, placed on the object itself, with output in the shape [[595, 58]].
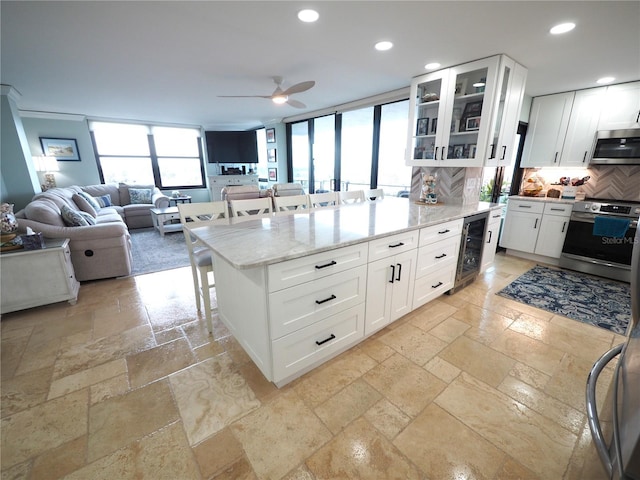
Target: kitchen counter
[[569, 201], [287, 235]]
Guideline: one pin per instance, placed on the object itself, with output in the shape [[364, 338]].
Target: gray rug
[[154, 253]]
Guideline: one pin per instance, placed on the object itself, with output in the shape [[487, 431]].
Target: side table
[[181, 199], [160, 217], [31, 278]]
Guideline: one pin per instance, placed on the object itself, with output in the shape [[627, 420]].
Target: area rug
[[594, 300], [154, 253]]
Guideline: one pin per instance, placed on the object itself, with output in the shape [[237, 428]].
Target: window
[[168, 157], [362, 148]]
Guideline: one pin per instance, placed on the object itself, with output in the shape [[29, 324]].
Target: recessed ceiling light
[[384, 45], [432, 66], [605, 80], [562, 28], [308, 15]]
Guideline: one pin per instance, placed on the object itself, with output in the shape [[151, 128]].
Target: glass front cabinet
[[466, 116]]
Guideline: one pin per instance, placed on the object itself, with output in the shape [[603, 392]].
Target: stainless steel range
[[600, 238]]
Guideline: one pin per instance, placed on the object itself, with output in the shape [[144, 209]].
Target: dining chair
[[325, 199], [374, 194], [254, 206], [353, 196], [200, 214], [287, 189], [291, 203]]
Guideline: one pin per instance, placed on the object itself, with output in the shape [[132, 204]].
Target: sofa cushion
[[84, 204], [73, 218], [140, 195], [44, 211], [91, 220], [89, 198], [112, 191], [104, 201], [125, 199]]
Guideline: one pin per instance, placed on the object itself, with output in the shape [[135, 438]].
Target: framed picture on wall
[[271, 135], [422, 127], [63, 149], [273, 174], [271, 155]]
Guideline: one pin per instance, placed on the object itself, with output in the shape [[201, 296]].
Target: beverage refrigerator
[[616, 432]]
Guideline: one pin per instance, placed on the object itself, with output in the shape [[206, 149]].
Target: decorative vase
[[8, 222]]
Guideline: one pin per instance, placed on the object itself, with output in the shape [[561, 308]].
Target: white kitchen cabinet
[[521, 225], [583, 125], [553, 229], [621, 108], [389, 290], [548, 122], [535, 227], [438, 251], [454, 112], [508, 104], [491, 237], [31, 278]]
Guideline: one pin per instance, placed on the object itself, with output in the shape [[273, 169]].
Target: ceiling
[[168, 62]]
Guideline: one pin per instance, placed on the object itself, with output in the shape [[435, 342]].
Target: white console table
[[31, 278], [218, 182]]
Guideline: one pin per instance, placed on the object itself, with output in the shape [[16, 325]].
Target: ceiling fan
[[281, 96]]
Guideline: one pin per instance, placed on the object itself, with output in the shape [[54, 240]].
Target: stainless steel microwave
[[617, 147]]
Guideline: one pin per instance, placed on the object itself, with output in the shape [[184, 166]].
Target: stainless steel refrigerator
[[616, 433]]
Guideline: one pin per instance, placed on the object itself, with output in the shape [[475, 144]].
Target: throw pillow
[[84, 205], [103, 200], [94, 203], [72, 218], [88, 217], [140, 195]]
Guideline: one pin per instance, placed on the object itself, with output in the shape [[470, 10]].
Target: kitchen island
[[295, 289]]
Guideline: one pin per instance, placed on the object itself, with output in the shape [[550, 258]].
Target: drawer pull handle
[[497, 216], [524, 206], [436, 285], [564, 224], [444, 231], [393, 273], [399, 271], [332, 297], [332, 262], [490, 235], [326, 340], [399, 244], [441, 256], [557, 209]]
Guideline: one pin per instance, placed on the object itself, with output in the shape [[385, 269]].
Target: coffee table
[[160, 217]]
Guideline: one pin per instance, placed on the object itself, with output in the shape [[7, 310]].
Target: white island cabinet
[[296, 289]]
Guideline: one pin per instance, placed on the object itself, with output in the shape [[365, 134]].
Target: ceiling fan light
[[308, 16], [280, 99]]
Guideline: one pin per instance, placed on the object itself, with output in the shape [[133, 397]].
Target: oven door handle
[[590, 218]]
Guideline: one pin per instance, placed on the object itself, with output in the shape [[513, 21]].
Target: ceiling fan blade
[[299, 87], [244, 96], [296, 103]]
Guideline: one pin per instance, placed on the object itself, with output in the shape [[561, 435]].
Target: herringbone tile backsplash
[[616, 182], [453, 185]]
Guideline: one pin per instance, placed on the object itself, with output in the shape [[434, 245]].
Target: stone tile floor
[[127, 384]]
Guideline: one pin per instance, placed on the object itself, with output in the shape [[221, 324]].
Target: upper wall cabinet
[[621, 108], [562, 129], [465, 116]]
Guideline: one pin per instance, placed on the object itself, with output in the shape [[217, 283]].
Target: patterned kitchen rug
[[594, 300]]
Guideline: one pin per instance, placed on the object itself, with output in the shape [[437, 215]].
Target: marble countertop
[[570, 201], [287, 235]]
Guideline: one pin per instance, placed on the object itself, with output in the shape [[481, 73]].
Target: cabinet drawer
[[437, 255], [495, 216], [303, 348], [305, 269], [431, 286], [165, 217], [302, 305], [562, 209], [438, 232], [524, 206], [387, 246]]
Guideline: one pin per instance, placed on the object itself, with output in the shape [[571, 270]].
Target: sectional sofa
[[101, 244]]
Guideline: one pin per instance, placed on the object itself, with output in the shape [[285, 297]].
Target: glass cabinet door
[[469, 113], [427, 112]]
